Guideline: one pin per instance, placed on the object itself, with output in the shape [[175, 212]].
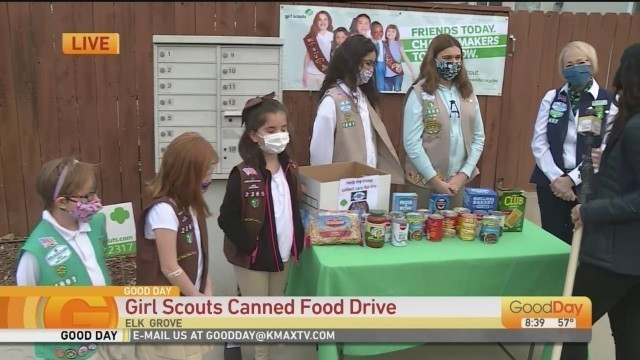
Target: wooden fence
[[101, 108]]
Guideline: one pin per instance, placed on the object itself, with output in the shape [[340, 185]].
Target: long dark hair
[[345, 66], [627, 91], [253, 118], [429, 73]]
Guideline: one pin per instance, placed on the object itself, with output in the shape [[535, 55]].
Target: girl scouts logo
[[254, 202]]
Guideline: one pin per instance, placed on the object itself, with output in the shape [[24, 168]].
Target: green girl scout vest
[[60, 265]]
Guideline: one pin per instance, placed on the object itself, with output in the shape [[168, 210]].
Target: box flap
[[337, 171]]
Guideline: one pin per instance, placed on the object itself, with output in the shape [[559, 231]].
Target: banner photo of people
[[313, 33]]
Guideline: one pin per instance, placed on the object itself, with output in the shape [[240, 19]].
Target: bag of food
[[333, 228]]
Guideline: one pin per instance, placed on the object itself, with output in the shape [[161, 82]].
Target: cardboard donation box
[[344, 186]]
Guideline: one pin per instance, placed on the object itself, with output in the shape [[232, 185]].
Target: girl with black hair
[[260, 214], [347, 125]]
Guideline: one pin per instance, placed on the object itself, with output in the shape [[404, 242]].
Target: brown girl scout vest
[[148, 260], [253, 209], [349, 141], [436, 134]]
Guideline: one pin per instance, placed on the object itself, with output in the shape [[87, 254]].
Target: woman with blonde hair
[[556, 145], [172, 245], [443, 134], [318, 43]]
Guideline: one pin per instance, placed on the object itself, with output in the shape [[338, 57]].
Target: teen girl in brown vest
[[443, 134], [172, 247], [347, 125], [260, 213]]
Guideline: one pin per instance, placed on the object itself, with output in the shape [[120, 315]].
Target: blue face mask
[[577, 75]]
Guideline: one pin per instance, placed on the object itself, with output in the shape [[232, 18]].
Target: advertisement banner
[[312, 34]]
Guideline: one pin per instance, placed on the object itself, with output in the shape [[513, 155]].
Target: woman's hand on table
[[457, 181]]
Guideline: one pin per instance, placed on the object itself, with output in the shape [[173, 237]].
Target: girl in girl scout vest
[[347, 126], [556, 145], [443, 134], [172, 244], [67, 247], [260, 213]]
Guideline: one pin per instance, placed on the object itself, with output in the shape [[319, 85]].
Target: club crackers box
[[512, 203], [480, 199]]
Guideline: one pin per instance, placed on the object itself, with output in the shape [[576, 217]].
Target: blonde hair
[[583, 47], [63, 177]]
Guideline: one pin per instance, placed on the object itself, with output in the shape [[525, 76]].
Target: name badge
[[599, 103]]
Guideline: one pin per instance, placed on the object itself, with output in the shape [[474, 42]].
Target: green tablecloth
[[530, 263]]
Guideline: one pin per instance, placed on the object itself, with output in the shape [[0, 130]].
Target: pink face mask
[[83, 212]]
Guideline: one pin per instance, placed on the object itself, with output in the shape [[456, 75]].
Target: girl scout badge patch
[[426, 96], [431, 111], [345, 106], [254, 202], [432, 126]]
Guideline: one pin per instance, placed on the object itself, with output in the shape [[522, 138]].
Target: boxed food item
[[480, 199], [513, 203], [332, 228], [344, 186], [405, 202], [439, 202]]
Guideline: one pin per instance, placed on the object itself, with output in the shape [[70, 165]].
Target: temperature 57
[[566, 322]]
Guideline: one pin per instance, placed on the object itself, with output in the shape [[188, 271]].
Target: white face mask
[[364, 76], [274, 143]]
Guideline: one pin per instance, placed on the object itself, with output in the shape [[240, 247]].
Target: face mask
[[205, 185], [275, 143], [83, 212], [448, 70], [364, 76], [578, 75]]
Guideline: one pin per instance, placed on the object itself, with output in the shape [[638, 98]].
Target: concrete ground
[[601, 346]]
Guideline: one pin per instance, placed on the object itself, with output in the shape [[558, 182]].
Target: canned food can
[[387, 224], [424, 212], [399, 232], [460, 211], [502, 216], [450, 222], [467, 234], [363, 225], [396, 214], [468, 222], [480, 214], [490, 229], [436, 227], [416, 222]]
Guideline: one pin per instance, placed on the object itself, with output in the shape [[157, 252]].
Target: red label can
[[436, 227]]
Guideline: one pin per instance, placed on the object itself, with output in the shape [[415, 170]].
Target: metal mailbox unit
[[201, 84]]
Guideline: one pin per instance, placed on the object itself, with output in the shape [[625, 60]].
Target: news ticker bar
[[294, 336]]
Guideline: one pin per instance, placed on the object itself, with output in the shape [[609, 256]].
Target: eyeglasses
[[83, 199]]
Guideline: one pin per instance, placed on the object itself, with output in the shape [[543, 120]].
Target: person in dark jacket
[[557, 148], [260, 213], [609, 269]]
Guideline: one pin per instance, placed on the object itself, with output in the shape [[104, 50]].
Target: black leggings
[[615, 294]]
